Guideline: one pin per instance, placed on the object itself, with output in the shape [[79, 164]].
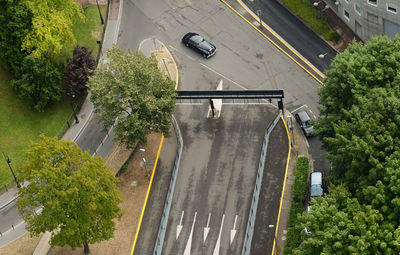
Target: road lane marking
[[206, 229], [189, 243], [223, 76], [233, 231], [218, 245], [180, 226]]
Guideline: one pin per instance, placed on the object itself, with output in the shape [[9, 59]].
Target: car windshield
[[316, 190], [197, 39]]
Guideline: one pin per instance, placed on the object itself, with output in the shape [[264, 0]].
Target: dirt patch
[[25, 245], [133, 186]]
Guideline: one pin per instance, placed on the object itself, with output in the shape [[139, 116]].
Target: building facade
[[368, 18]]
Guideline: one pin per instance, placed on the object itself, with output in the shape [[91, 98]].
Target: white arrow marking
[[233, 231], [207, 229], [180, 226], [189, 243], [216, 250]]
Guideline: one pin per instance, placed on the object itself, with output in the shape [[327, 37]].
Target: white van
[[316, 184]]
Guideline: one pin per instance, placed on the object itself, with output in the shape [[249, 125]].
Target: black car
[[197, 42]]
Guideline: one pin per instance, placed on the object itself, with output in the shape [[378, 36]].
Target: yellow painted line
[[147, 196], [276, 45], [279, 38], [283, 188]]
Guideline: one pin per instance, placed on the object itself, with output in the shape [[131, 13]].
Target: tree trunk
[[86, 248]]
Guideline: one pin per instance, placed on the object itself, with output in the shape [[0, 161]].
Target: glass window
[[372, 18], [391, 8], [373, 2], [357, 9], [346, 15]]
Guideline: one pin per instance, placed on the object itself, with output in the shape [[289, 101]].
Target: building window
[[357, 9], [373, 2], [346, 15], [372, 18], [391, 8]]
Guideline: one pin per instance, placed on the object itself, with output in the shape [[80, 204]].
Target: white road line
[[180, 226], [218, 245], [223, 76], [207, 228], [233, 231], [189, 243], [298, 108]]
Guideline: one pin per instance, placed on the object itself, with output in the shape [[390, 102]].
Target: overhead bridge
[[231, 94]]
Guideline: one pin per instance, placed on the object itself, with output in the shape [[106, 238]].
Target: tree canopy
[[76, 193], [16, 22], [360, 110], [38, 82], [339, 224], [135, 94], [78, 69], [51, 25]]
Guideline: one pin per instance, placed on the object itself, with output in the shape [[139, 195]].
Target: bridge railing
[[167, 206]]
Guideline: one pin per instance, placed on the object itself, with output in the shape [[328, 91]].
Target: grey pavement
[[75, 133]]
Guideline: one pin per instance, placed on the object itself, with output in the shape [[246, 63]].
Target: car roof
[[303, 116], [316, 178]]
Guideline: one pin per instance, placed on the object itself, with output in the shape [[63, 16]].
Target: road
[[244, 60]]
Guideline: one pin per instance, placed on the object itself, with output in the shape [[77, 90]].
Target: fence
[[256, 194], [167, 206]]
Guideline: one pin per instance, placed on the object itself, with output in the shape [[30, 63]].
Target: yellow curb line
[[147, 196], [154, 169], [283, 188], [269, 39]]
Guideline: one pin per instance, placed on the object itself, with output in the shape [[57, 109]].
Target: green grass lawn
[[19, 124], [307, 12]]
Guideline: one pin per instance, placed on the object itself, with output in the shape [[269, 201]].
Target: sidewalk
[[72, 133]]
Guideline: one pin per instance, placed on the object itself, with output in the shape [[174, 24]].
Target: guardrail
[[167, 206], [256, 194]]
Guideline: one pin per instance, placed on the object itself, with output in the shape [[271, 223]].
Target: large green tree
[[16, 22], [38, 82], [51, 26], [340, 225], [69, 193], [132, 92], [360, 110]]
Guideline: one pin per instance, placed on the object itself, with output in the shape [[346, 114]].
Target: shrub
[[300, 184], [297, 207]]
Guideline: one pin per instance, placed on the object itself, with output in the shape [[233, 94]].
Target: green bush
[[293, 235], [297, 207], [300, 184]]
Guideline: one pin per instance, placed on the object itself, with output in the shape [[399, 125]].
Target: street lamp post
[[8, 160], [144, 161], [275, 242], [72, 93], [101, 16]]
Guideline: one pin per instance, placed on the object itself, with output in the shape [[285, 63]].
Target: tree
[[359, 109], [78, 69], [133, 91], [76, 193], [38, 82], [51, 26], [340, 225], [16, 22]]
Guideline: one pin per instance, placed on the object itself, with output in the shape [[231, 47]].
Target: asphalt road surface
[[216, 178]]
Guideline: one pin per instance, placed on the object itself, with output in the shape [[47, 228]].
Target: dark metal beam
[[230, 94]]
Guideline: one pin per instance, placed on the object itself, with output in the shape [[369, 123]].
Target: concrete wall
[[371, 19], [91, 2]]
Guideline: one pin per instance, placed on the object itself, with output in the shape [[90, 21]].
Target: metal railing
[[256, 194], [168, 201]]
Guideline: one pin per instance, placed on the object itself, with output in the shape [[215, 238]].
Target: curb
[[7, 203]]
